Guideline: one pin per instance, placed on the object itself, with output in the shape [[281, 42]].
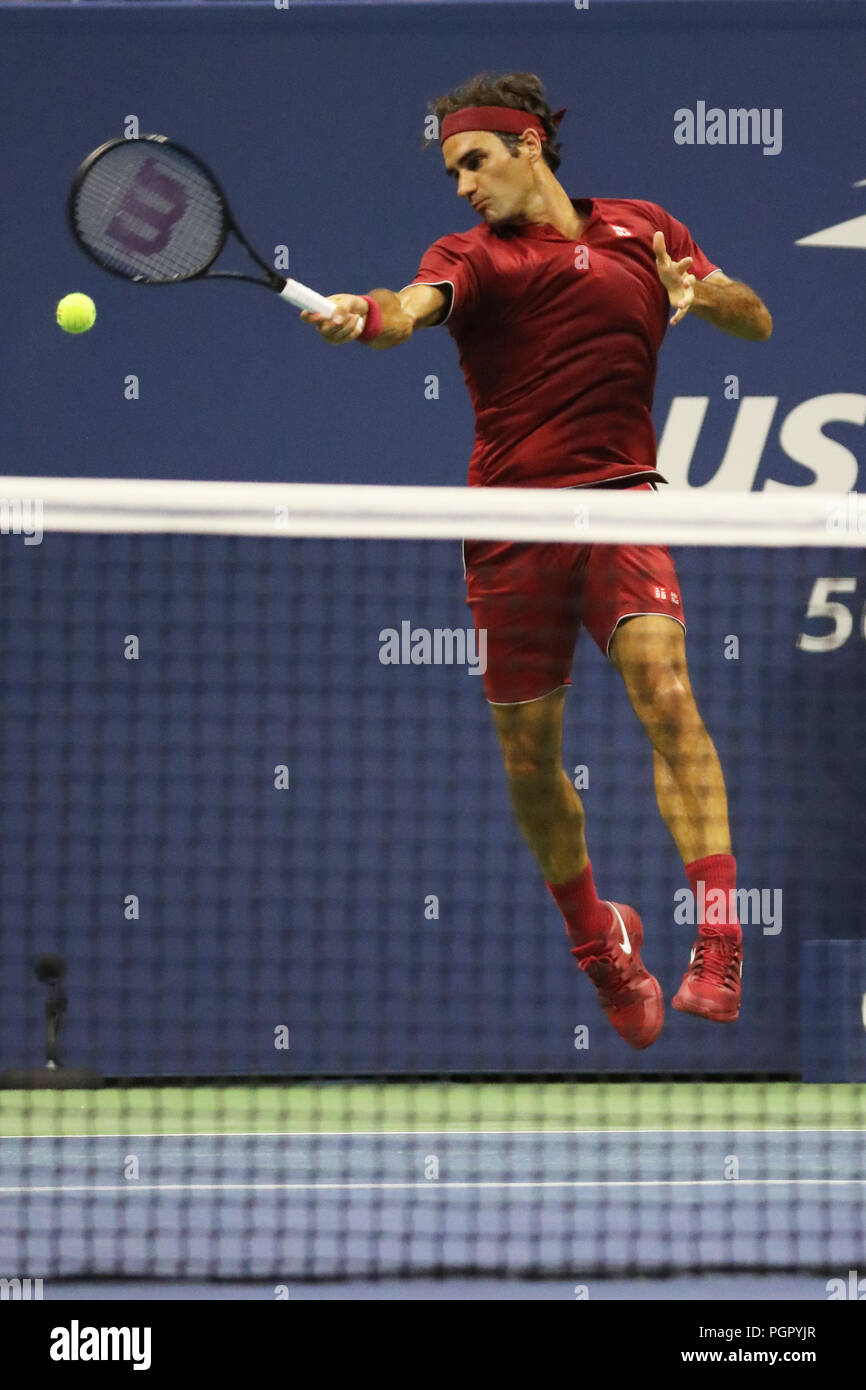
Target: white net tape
[[704, 517]]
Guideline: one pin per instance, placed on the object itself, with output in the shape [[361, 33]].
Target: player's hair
[[523, 91]]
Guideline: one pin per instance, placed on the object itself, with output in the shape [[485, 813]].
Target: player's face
[[488, 175]]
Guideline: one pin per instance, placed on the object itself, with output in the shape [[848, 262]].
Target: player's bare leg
[[546, 806], [606, 937], [650, 654]]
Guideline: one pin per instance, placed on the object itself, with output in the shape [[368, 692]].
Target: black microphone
[[51, 970]]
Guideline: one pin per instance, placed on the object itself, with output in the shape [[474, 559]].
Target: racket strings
[[147, 211]]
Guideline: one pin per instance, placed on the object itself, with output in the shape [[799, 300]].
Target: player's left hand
[[675, 277]]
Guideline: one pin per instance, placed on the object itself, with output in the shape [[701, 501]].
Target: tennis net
[[264, 903]]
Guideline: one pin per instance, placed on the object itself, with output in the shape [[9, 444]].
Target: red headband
[[494, 118]]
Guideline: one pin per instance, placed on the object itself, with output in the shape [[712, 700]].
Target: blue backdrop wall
[[307, 908]]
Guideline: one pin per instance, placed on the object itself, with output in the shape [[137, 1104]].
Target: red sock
[[586, 918], [713, 881]]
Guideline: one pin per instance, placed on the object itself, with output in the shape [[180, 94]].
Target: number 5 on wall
[[822, 606]]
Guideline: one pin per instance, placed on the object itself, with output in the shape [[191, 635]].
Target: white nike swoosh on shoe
[[692, 954], [625, 943]]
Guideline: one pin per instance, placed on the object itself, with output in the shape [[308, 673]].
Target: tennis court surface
[[309, 1183]]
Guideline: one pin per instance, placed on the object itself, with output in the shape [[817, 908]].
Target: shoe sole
[[689, 1007], [640, 1046]]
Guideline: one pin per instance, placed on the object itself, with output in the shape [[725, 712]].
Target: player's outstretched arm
[[418, 306]]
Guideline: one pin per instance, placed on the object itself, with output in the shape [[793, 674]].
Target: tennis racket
[[152, 212]]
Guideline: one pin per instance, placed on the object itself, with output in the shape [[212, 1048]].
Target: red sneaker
[[711, 985], [630, 996]]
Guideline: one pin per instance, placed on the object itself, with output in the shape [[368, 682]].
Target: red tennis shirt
[[559, 339]]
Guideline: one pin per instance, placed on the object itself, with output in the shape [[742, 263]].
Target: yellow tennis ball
[[76, 313]]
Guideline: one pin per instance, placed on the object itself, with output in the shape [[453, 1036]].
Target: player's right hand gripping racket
[[152, 212]]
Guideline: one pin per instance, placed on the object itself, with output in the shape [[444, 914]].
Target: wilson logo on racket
[[149, 210]]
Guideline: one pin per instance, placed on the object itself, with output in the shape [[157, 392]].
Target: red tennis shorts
[[532, 599]]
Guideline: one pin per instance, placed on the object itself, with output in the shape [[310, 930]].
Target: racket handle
[[304, 298]]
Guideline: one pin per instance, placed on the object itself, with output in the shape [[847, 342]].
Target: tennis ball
[[76, 313]]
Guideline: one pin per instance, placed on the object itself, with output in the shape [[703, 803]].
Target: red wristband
[[373, 322]]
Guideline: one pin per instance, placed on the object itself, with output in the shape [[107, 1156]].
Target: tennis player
[[558, 306]]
